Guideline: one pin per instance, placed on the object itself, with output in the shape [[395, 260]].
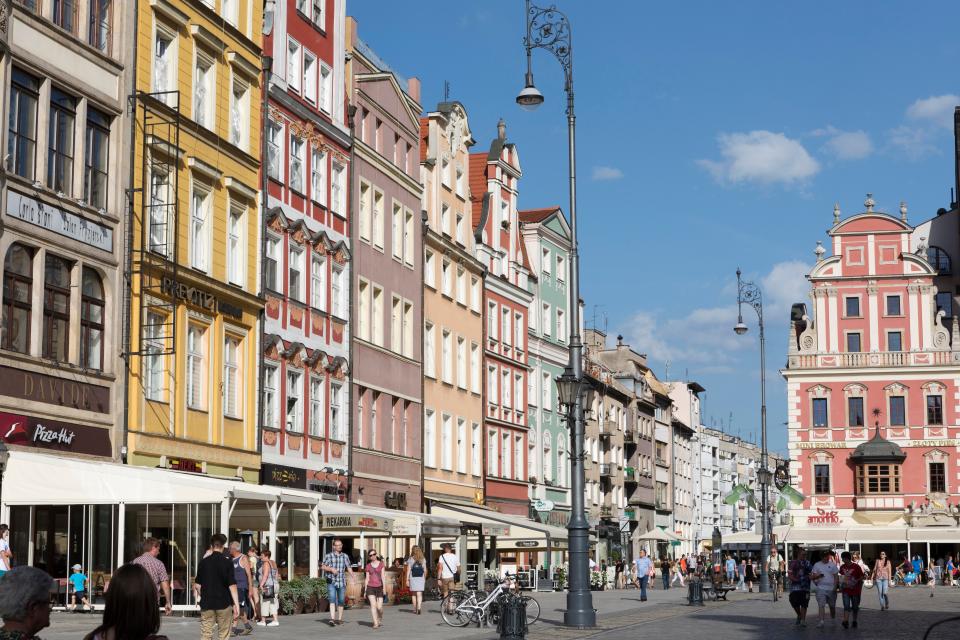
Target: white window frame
[[396, 321], [272, 252], [154, 360], [364, 289], [377, 214], [318, 176], [446, 356], [337, 176], [409, 237], [336, 290], [396, 231], [376, 309], [407, 329], [200, 227], [271, 392], [430, 269], [203, 104], [298, 159], [310, 76], [476, 447], [294, 65], [318, 282], [461, 445], [316, 406], [232, 376], [429, 350], [240, 113], [446, 442], [275, 145], [475, 293], [295, 263], [430, 439], [196, 366], [294, 421], [462, 362], [475, 377], [336, 411], [236, 244], [325, 100], [519, 331]]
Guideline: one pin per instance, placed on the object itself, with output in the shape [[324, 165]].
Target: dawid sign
[[52, 434]]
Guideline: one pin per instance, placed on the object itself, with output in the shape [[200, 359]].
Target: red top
[[374, 575], [852, 578]]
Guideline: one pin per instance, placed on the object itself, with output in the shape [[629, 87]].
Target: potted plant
[[317, 601], [560, 580], [293, 595], [596, 581]]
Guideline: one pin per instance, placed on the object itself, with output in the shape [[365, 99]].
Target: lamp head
[[740, 328], [530, 97]]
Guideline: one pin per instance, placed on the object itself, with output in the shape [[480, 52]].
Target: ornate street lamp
[[548, 28], [749, 294]]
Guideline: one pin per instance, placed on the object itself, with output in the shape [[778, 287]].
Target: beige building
[[453, 322]]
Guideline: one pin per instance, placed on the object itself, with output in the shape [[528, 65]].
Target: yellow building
[[195, 238]]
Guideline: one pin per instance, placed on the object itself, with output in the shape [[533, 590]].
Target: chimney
[[501, 130], [413, 89], [956, 156]]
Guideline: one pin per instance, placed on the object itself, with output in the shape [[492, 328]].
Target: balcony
[[605, 435], [606, 470], [606, 511], [630, 474], [868, 360], [662, 462], [629, 437], [660, 505]]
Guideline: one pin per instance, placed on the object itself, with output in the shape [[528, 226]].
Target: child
[[931, 578], [79, 582]]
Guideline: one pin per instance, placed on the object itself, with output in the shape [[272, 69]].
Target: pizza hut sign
[[52, 434], [824, 518]]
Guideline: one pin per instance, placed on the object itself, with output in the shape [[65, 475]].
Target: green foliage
[[292, 590]]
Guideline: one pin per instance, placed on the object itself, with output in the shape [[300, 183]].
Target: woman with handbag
[[268, 590], [882, 572]]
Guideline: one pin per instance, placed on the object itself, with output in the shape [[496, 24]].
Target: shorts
[[800, 599], [336, 594], [242, 599], [446, 584], [268, 607], [376, 592], [80, 595], [827, 597], [851, 603]]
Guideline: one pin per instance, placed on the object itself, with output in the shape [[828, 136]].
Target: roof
[[524, 258], [478, 183], [534, 216], [424, 137], [656, 385], [878, 449]]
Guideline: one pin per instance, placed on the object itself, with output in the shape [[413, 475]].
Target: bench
[[718, 592]]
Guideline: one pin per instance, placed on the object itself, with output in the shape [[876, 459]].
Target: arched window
[[91, 320], [939, 260], [17, 298], [56, 309]]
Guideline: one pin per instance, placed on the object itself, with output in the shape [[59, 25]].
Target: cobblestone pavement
[[748, 616]]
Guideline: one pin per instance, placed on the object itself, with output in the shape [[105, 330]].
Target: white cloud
[[914, 142], [785, 284], [606, 173], [761, 156], [935, 109], [845, 145]]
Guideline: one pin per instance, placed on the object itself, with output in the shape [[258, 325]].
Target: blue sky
[[710, 135]]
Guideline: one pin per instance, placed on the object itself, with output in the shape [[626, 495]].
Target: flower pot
[[298, 606], [310, 604], [323, 605]]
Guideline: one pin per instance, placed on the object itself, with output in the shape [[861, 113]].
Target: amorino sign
[[57, 220]]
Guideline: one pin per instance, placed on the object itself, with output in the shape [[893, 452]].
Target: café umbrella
[[657, 534]]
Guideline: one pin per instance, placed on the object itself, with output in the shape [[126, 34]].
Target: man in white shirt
[[447, 568], [824, 577]]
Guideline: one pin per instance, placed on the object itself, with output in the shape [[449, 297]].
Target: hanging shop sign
[[824, 518], [395, 500], [61, 222], [543, 505], [526, 544], [39, 387], [52, 434], [282, 476], [185, 464], [495, 529], [199, 298], [356, 522]]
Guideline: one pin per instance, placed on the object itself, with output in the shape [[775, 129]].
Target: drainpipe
[[423, 313], [267, 64], [351, 300], [132, 102]]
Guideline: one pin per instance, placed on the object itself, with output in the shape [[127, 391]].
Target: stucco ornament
[[808, 337], [941, 337]]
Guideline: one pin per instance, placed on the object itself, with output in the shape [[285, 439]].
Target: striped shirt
[[156, 569], [339, 563]]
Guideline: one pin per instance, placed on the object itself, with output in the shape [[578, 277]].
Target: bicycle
[[460, 608], [776, 585]]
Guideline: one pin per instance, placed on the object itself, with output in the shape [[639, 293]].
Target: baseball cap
[[76, 567]]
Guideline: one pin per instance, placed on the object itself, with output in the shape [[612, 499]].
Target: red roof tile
[[424, 135], [478, 184], [524, 259], [536, 215]]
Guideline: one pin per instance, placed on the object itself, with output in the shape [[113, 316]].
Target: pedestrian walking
[[665, 571], [447, 567], [244, 580], [130, 609], [5, 555], [824, 577], [269, 583], [373, 586], [79, 583], [337, 565], [800, 586], [950, 568], [882, 571], [644, 566], [253, 559], [618, 574], [150, 561], [678, 571], [851, 583], [24, 603], [742, 573], [216, 589], [417, 578], [751, 573]]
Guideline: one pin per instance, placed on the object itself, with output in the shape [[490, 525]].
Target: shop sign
[[52, 434], [281, 476], [61, 222], [945, 442], [355, 522], [395, 500], [824, 518], [543, 505], [185, 464], [199, 298], [39, 387], [822, 445], [527, 544], [495, 529]]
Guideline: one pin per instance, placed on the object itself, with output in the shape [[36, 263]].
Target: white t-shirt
[[449, 563], [4, 546], [829, 572]]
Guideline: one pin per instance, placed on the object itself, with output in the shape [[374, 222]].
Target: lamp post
[[749, 294], [548, 28], [4, 458]]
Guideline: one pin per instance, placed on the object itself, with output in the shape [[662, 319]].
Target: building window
[[853, 342], [295, 274], [492, 460], [96, 157], [446, 446], [326, 88], [235, 246], [377, 320], [561, 327], [336, 188], [91, 320], [430, 269], [270, 396], [855, 412], [893, 306], [934, 409], [506, 332], [546, 392], [939, 260], [65, 15], [309, 77], [820, 418], [63, 113], [430, 439], [461, 285], [898, 413], [474, 367], [407, 329], [199, 216], [852, 307], [821, 479], [17, 298], [294, 406], [546, 320], [165, 65], [506, 397], [894, 341], [204, 91], [518, 402], [396, 231], [518, 457], [271, 263], [937, 477], [22, 136], [230, 9], [231, 377], [878, 478], [492, 385], [492, 320], [396, 332], [506, 467], [336, 291], [298, 150], [316, 407], [318, 177], [475, 294], [274, 144], [377, 219], [429, 351], [561, 269], [240, 114], [153, 347], [363, 322], [446, 278], [446, 355], [461, 362], [475, 447], [101, 26], [56, 308], [294, 74], [318, 284], [944, 300], [366, 206], [336, 399], [408, 237], [196, 337]]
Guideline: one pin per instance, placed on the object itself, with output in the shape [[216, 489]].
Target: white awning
[[742, 537], [505, 526], [890, 535], [809, 535], [934, 534], [413, 523]]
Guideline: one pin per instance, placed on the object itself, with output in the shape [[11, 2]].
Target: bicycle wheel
[[533, 609], [456, 609]]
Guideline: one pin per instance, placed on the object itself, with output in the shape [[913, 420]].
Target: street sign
[[527, 543], [543, 505]]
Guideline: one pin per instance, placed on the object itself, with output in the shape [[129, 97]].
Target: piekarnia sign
[[52, 434]]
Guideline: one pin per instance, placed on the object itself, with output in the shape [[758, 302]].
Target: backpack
[[416, 570]]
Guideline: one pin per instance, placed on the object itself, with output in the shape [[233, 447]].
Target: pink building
[[872, 396]]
